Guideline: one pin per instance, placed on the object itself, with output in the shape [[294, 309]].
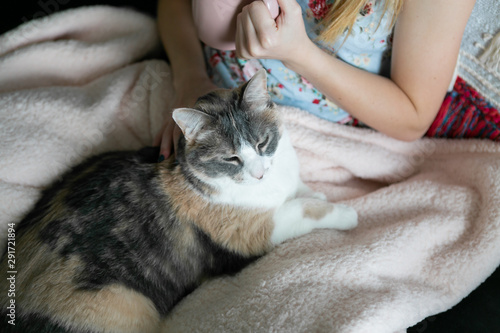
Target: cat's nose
[[258, 175], [257, 172], [257, 168]]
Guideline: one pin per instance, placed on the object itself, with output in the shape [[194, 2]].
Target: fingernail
[[161, 158]]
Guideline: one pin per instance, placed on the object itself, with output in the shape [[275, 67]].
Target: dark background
[[14, 13], [477, 313]]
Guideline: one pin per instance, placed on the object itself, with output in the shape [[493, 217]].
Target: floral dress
[[368, 47]]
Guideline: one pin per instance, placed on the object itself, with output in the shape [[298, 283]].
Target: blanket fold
[[74, 85], [71, 87]]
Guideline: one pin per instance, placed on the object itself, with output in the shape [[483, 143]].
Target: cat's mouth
[[250, 179]]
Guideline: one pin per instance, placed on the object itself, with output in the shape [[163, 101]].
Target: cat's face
[[231, 134]]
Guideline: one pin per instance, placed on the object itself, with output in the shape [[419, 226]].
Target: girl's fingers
[[240, 39], [261, 19], [257, 25], [157, 139], [159, 135], [251, 29], [289, 6], [165, 147], [176, 135], [246, 35], [167, 142]]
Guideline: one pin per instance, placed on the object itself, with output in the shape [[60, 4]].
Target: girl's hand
[[186, 96], [259, 36]]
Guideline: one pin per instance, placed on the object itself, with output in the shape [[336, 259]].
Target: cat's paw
[[313, 195], [300, 216], [305, 191], [342, 217], [319, 196]]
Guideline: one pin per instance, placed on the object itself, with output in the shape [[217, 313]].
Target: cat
[[120, 239]]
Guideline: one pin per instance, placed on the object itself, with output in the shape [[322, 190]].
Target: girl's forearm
[[375, 100], [180, 39]]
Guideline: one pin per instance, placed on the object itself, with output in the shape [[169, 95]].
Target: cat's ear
[[255, 92], [192, 122]]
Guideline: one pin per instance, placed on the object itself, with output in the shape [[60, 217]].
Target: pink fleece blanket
[[72, 85]]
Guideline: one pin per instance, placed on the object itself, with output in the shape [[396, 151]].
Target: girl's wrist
[[299, 59], [188, 79]]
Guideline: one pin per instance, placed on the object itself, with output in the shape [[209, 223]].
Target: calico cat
[[120, 239]]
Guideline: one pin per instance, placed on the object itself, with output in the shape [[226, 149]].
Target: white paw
[[304, 191], [342, 217], [307, 193], [318, 195]]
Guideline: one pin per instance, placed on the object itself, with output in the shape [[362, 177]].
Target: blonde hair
[[343, 13]]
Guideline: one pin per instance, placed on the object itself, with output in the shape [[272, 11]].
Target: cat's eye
[[232, 159], [261, 147]]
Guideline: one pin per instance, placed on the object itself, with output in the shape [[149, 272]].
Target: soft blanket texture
[[73, 85], [479, 62]]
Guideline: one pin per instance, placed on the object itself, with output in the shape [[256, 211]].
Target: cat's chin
[[225, 183], [252, 181]]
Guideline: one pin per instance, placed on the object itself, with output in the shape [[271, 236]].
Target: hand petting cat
[[257, 36], [186, 96]]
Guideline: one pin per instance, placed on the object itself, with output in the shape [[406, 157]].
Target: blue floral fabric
[[367, 47]]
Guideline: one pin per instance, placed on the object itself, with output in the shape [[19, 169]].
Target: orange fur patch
[[316, 209], [45, 284], [245, 231]]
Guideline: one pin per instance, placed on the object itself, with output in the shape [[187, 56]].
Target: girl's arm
[[190, 79], [179, 37], [425, 49]]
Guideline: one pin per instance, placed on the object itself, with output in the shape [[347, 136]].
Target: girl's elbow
[[414, 131], [417, 124], [410, 135]]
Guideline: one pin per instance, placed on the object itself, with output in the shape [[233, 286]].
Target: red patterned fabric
[[466, 114]]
